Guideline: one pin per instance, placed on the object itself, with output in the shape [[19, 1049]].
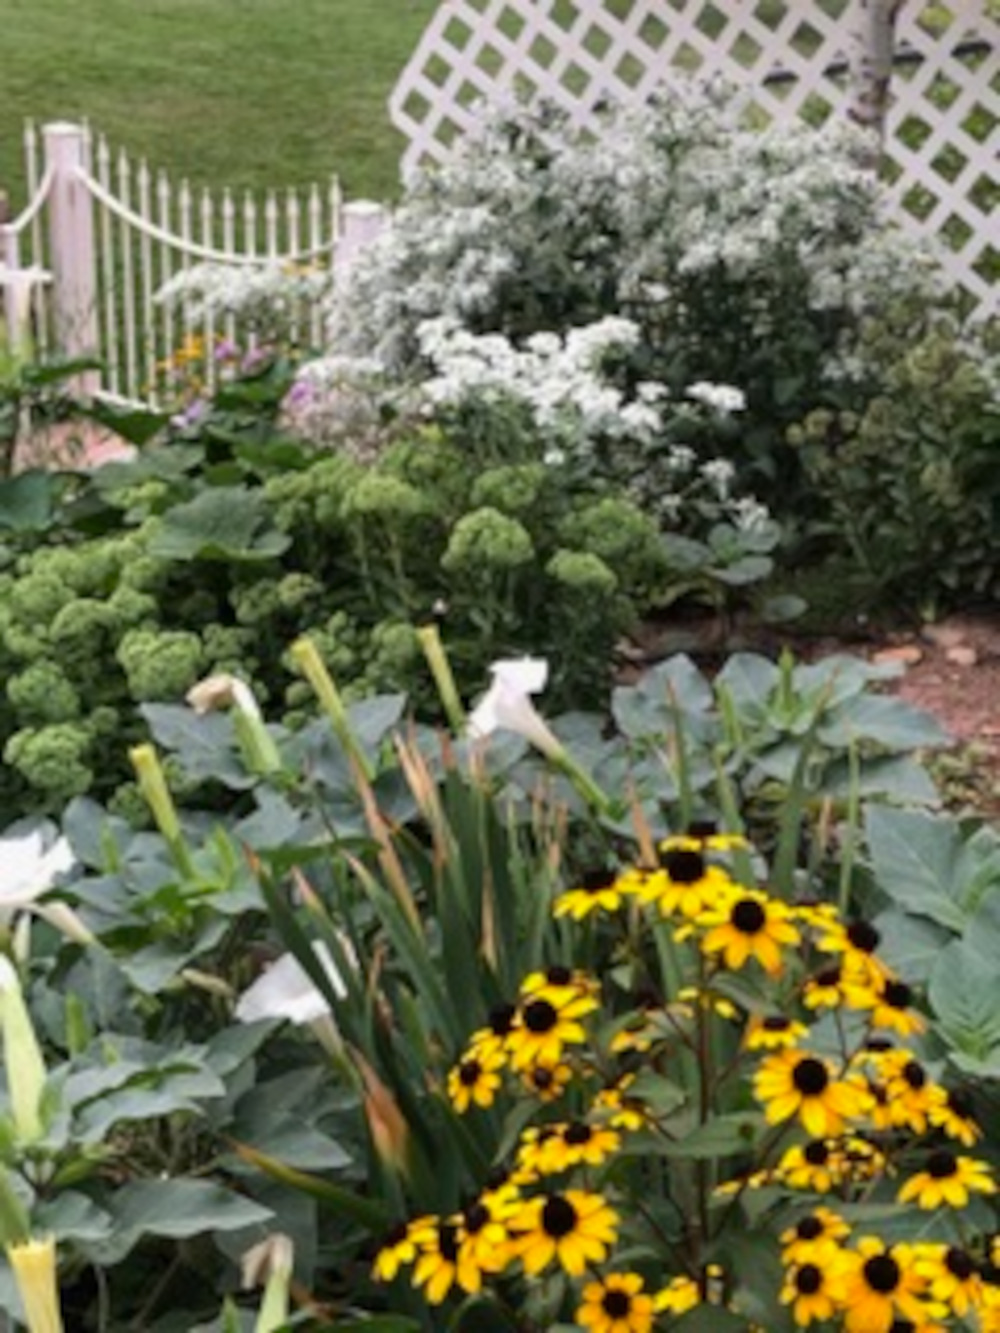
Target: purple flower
[[299, 395], [226, 350]]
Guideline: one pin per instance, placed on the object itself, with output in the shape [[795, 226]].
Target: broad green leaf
[[135, 424], [205, 743], [913, 857], [26, 501], [750, 680], [720, 1137], [176, 1210], [70, 1215], [221, 523], [886, 721], [910, 944], [964, 993], [711, 1319]]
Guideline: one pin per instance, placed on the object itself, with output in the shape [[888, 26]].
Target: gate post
[[362, 220], [71, 242]]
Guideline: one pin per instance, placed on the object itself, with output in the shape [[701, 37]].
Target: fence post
[[71, 243], [362, 221]]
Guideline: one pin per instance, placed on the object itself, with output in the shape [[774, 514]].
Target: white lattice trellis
[[789, 58]]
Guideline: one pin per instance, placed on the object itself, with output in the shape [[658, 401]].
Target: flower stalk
[[34, 1265], [153, 785], [307, 659], [444, 679]]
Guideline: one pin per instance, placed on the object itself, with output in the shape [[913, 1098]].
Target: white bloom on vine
[[507, 706], [287, 991], [722, 398], [29, 869]]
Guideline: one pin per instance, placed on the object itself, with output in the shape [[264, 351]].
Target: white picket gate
[[786, 58], [82, 264]]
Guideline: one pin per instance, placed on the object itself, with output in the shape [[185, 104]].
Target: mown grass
[[248, 93]]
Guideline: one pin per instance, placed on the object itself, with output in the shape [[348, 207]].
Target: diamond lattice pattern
[[788, 58]]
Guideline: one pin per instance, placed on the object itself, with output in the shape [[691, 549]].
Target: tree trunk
[[871, 68]]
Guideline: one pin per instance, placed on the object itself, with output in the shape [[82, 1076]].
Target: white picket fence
[[81, 267], [787, 59]]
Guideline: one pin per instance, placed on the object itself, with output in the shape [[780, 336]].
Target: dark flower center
[[558, 1217], [809, 1228], [960, 1264], [540, 1016], [990, 1274], [558, 976], [501, 1019], [882, 1274], [593, 881], [702, 828], [476, 1218], [902, 1326], [542, 1078], [816, 1153], [810, 1077], [915, 1074], [878, 1044], [748, 917], [684, 867], [830, 976], [863, 936], [578, 1133], [776, 1023], [448, 1242], [942, 1164], [394, 1237], [897, 995], [616, 1304], [960, 1103], [808, 1279], [468, 1072]]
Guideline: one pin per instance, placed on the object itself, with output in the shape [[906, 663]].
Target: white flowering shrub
[[269, 301], [745, 258]]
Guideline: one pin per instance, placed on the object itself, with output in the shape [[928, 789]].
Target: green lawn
[[248, 93]]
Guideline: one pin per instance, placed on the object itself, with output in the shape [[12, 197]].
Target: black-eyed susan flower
[[750, 925], [816, 1289], [818, 1231], [773, 1032], [436, 1269], [857, 942], [558, 983], [890, 1006], [475, 1080], [953, 1276], [953, 1115], [708, 999], [598, 891], [616, 1303], [814, 1166], [883, 1285], [547, 1082], [912, 1093], [484, 1241], [573, 1229], [703, 835], [398, 1248], [795, 1083], [547, 1022], [493, 1037], [677, 1297], [947, 1180], [614, 1107], [686, 884], [826, 989]]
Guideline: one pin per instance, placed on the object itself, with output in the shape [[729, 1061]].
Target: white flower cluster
[[268, 299]]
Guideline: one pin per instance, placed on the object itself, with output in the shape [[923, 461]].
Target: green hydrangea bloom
[[487, 540], [583, 572]]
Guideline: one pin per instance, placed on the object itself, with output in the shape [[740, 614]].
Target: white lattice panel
[[790, 59]]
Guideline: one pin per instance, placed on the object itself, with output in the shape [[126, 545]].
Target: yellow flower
[[397, 1248], [815, 1233], [484, 1240], [890, 1006], [773, 1032], [750, 925], [437, 1266], [559, 984], [34, 1264], [857, 942], [953, 1115], [600, 890], [475, 1080], [796, 1083], [947, 1180], [883, 1283], [573, 1229], [816, 1289], [687, 884], [679, 1296], [547, 1082], [545, 1023], [614, 1106], [826, 989], [615, 1303], [953, 1276], [912, 1095]]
